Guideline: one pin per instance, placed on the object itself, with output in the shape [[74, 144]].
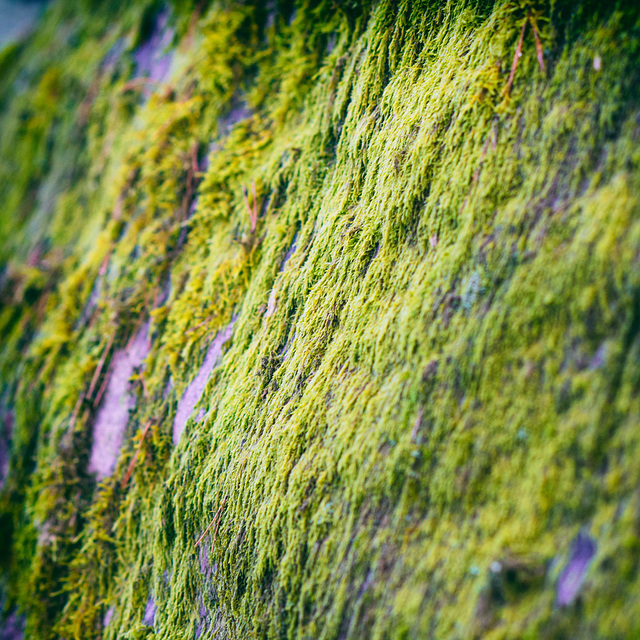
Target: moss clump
[[431, 390]]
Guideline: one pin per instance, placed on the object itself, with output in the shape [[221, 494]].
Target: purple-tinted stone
[[192, 207], [113, 415], [583, 549], [290, 251], [91, 303], [12, 627], [18, 19], [203, 621], [238, 112], [107, 616], [167, 388], [196, 386], [599, 358], [165, 292], [150, 57], [6, 434], [203, 558], [150, 612], [272, 302], [113, 55]]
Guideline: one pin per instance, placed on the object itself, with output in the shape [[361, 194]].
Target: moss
[[433, 279]]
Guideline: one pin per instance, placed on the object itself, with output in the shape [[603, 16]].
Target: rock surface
[[385, 257]]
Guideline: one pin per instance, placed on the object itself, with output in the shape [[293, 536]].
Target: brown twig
[[416, 425], [98, 371], [516, 58], [138, 83], [254, 220], [192, 181], [103, 388], [194, 160], [536, 35], [249, 240], [136, 329], [104, 265], [215, 531], [216, 521], [145, 389], [119, 205], [199, 326], [132, 464], [85, 106], [193, 23], [252, 211], [76, 411]]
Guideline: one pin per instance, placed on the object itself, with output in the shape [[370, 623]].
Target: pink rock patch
[[112, 418], [151, 58], [6, 435], [12, 627], [196, 387], [583, 549]]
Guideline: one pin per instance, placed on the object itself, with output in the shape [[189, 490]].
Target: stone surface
[[572, 577], [119, 400], [194, 390]]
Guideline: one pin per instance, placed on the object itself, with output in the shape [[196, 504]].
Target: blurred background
[[17, 17]]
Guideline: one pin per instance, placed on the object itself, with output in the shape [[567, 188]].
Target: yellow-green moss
[[434, 358]]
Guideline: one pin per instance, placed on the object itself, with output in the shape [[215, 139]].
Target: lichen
[[432, 387]]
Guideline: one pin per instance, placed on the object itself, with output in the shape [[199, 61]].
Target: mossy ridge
[[460, 363]]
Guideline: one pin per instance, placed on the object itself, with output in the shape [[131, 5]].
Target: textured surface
[[116, 404], [425, 422]]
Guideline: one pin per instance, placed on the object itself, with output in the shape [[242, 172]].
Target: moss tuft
[[425, 250]]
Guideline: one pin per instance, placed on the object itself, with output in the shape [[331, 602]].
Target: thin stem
[[214, 521], [536, 35], [516, 58]]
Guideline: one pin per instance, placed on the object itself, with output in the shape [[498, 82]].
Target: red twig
[[136, 329], [536, 35], [138, 83], [192, 181], [199, 326], [252, 211], [194, 159], [104, 265], [103, 388], [193, 23], [85, 106], [103, 359], [254, 221], [516, 58], [145, 389], [216, 521], [132, 464], [76, 411]]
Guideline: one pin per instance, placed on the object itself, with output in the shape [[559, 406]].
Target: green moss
[[434, 358]]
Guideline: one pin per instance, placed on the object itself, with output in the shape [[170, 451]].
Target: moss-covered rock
[[321, 319]]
